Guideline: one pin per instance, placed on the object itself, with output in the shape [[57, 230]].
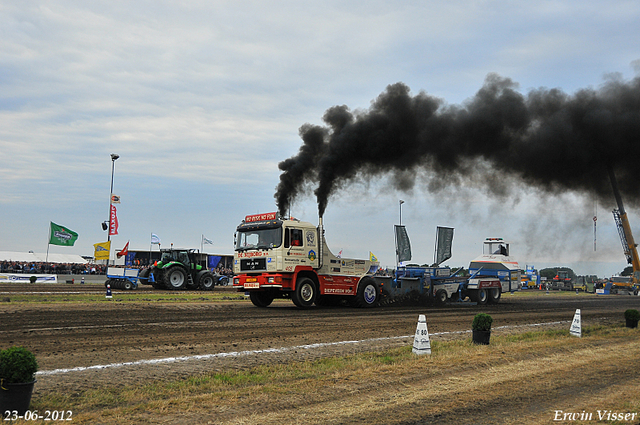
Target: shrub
[[17, 365], [482, 322], [632, 314]]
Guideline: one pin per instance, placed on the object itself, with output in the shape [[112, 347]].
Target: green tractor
[[177, 269]]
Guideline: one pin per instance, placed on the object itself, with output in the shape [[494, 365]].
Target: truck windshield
[[495, 248], [259, 239]]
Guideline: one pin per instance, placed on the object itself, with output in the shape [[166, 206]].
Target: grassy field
[[393, 386]]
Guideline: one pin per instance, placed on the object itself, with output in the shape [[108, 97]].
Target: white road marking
[[264, 351]]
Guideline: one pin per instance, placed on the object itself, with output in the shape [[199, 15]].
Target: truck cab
[[274, 245], [496, 261]]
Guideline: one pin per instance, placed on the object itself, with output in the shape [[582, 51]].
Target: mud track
[[72, 335]]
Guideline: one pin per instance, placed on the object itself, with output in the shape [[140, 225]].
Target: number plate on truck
[[251, 284]]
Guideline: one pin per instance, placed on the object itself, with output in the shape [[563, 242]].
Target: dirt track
[[68, 335]]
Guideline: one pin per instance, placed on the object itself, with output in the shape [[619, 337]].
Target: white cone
[[421, 343], [576, 325]]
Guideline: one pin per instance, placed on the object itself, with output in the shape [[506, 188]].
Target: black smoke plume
[[546, 139]]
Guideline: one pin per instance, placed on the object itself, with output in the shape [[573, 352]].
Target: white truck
[[278, 257]]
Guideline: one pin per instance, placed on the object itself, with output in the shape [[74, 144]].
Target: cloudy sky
[[202, 100]]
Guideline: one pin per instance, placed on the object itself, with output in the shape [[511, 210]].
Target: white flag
[[205, 240], [155, 239]]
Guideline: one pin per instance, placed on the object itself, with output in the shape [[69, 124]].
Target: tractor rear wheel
[[175, 278], [143, 276], [158, 278]]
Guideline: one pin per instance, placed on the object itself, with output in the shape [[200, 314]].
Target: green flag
[[62, 236]]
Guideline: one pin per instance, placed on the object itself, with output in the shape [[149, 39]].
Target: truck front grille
[[253, 264]]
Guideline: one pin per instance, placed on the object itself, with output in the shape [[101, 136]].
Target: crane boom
[[624, 229]]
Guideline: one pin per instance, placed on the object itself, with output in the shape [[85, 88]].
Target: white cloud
[[203, 99]]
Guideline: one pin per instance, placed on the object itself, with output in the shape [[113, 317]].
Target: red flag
[[113, 221], [124, 251]]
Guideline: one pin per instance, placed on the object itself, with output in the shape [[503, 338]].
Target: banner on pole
[[155, 239], [444, 238], [113, 221], [101, 250], [61, 235], [403, 246]]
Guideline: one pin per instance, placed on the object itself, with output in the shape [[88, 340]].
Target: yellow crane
[[626, 237]]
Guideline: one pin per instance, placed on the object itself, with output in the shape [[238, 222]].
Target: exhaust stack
[[320, 242]]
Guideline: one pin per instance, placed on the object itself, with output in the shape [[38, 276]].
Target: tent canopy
[[41, 258]]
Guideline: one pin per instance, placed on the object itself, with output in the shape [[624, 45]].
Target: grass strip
[[262, 393]]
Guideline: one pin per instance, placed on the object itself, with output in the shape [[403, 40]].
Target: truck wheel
[[260, 298], [305, 294], [206, 281], [367, 295], [442, 297], [482, 296], [175, 278], [494, 295]]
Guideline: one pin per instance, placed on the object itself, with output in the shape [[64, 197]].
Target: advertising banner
[[403, 246], [113, 221], [444, 239], [26, 278]]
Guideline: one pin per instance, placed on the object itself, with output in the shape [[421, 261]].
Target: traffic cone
[[82, 281], [421, 343], [109, 291]]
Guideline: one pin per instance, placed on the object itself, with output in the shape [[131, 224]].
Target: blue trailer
[[122, 278], [439, 285], [491, 275]]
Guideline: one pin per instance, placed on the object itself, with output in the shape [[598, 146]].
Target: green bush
[[33, 279], [482, 322], [17, 365], [632, 314]]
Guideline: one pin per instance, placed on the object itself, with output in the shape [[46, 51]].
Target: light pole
[[401, 202], [114, 156]]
